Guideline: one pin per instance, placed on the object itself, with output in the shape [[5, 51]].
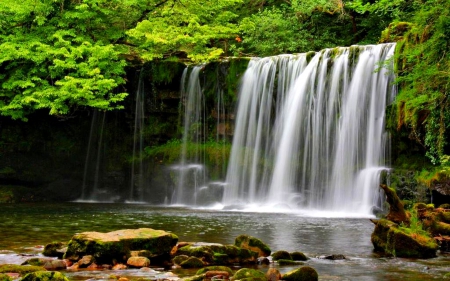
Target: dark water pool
[[26, 228]]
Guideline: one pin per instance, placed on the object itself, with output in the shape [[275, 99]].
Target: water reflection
[[25, 228]]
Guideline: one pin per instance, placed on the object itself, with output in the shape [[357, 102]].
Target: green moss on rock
[[45, 276], [117, 245], [5, 277], [305, 273], [289, 262], [389, 238], [248, 273], [21, 269], [253, 244], [192, 262], [214, 268], [281, 255]]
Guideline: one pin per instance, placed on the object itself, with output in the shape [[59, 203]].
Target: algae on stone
[[253, 244], [45, 276]]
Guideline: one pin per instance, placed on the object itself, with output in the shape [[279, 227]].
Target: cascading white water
[[318, 145], [191, 171], [137, 170]]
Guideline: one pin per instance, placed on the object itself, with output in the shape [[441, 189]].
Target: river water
[[26, 228]]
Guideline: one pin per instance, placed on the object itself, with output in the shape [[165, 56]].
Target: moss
[[309, 56], [253, 244], [194, 278], [281, 255], [5, 277], [192, 262], [214, 268], [21, 269], [179, 259], [304, 273], [54, 249], [45, 276], [289, 262], [248, 273]]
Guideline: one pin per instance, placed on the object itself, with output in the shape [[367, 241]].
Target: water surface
[[26, 228]]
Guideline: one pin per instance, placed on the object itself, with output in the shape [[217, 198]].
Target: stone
[[5, 277], [335, 257], [253, 244], [214, 268], [117, 245], [281, 255], [289, 262], [218, 254], [192, 262], [304, 273], [248, 273], [179, 259], [37, 261], [263, 261], [397, 212], [119, 266], [85, 261], [216, 274], [138, 262], [20, 269], [45, 276], [273, 274], [298, 256], [55, 265], [55, 249], [389, 238]]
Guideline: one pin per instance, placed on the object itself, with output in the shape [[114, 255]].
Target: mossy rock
[[117, 245], [55, 249], [304, 273], [419, 206], [45, 276], [298, 256], [21, 269], [445, 206], [179, 259], [389, 238], [248, 273], [5, 277], [192, 262], [253, 244], [281, 255], [195, 278], [6, 194], [289, 262], [215, 268], [218, 254]]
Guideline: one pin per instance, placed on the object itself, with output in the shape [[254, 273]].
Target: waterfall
[[309, 130], [137, 168], [94, 159], [191, 170]]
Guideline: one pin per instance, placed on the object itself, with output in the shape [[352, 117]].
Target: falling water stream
[[318, 145]]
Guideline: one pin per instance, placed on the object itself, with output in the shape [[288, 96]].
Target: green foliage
[[423, 60]]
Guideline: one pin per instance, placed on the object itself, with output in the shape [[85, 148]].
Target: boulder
[[45, 276], [335, 257], [117, 245], [388, 237], [304, 273], [298, 256], [253, 244], [245, 273], [289, 262], [86, 261], [218, 254], [20, 269], [5, 277], [138, 262], [281, 255], [273, 274], [214, 268], [179, 259], [55, 249], [192, 262]]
